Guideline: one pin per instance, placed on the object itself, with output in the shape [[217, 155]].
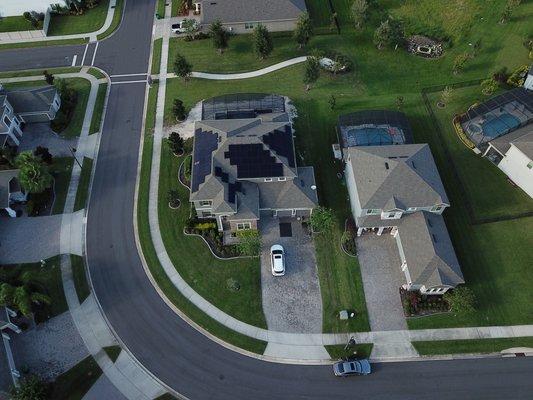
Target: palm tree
[[22, 292]]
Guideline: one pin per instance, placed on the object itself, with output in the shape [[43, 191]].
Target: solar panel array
[[241, 105], [280, 141], [521, 95], [253, 161], [204, 145], [379, 117]]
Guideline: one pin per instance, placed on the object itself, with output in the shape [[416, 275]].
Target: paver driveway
[[382, 277], [291, 303], [42, 135]]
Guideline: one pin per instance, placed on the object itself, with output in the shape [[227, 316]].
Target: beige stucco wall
[[272, 26], [233, 224], [514, 164]]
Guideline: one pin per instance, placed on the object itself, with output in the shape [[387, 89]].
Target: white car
[[277, 260], [179, 27]]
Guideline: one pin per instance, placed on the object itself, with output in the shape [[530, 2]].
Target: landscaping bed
[[418, 305], [69, 24], [208, 230]]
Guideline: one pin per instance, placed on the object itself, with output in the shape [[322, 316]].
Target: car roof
[[276, 247]]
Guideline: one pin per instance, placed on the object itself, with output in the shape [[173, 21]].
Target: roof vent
[[313, 187]]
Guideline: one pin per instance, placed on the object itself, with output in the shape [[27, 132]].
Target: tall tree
[[263, 45], [34, 175], [220, 36], [182, 68], [312, 71], [21, 298], [359, 11], [304, 30], [389, 34], [459, 63]]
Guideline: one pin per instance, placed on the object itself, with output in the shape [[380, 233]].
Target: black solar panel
[[280, 141], [204, 145], [253, 161]]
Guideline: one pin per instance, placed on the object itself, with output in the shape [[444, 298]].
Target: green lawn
[[15, 23], [156, 56], [49, 278], [61, 170], [96, 73], [77, 381], [160, 8], [150, 255], [470, 346], [175, 8], [113, 352], [91, 20], [115, 22], [37, 72], [98, 112], [45, 43], [83, 186], [80, 277], [337, 352], [83, 87]]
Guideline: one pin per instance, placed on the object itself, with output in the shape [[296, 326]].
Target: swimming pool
[[500, 125], [368, 137]]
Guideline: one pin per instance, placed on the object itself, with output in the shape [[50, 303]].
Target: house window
[[372, 212], [248, 25], [7, 121], [268, 179], [241, 226], [205, 203], [437, 208], [207, 214], [392, 215], [283, 179]]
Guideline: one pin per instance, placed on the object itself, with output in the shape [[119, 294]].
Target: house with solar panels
[[244, 164], [395, 188]]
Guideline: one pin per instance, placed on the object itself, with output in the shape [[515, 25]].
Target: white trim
[[84, 54], [94, 54], [74, 59]]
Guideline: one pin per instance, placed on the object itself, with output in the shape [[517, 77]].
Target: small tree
[[322, 219], [263, 45], [220, 36], [332, 102], [30, 388], [312, 71], [359, 13], [528, 44], [173, 198], [461, 300], [508, 10], [459, 63], [182, 68], [44, 153], [48, 77], [518, 76], [190, 26], [489, 86], [175, 142], [446, 95], [399, 102], [388, 34], [34, 175], [21, 298], [249, 242], [304, 30], [178, 110]]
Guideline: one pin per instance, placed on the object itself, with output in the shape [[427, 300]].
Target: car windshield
[[341, 367], [178, 25], [277, 257], [277, 252]]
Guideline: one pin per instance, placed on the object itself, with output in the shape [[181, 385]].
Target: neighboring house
[[9, 374], [244, 165], [396, 188], [10, 191], [241, 16], [25, 106], [9, 8], [528, 83]]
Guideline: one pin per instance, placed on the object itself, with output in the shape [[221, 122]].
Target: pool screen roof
[[242, 105]]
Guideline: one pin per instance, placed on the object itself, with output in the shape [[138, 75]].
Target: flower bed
[[461, 133], [418, 305], [207, 229]]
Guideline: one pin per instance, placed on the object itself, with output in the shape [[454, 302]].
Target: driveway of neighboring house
[[382, 278], [29, 239], [291, 303], [41, 134]]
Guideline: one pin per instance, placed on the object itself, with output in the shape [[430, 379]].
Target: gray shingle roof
[[32, 100], [521, 138], [229, 11], [293, 193], [396, 176], [5, 178]]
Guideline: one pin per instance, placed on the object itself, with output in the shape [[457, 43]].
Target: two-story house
[[396, 189], [10, 129], [243, 168]]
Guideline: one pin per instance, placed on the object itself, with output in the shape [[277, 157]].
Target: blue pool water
[[500, 125], [370, 136]]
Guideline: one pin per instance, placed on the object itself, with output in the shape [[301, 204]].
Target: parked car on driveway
[[179, 27], [355, 367], [277, 260]]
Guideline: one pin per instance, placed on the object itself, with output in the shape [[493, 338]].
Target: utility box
[[337, 153]]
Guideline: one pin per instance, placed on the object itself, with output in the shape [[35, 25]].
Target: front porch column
[[359, 231], [380, 230]]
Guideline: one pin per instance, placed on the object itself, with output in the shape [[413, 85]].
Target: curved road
[[177, 354]]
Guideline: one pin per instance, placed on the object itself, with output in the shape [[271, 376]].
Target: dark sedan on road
[[355, 367]]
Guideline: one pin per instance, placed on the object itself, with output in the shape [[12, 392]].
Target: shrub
[[389, 34], [322, 219], [182, 67], [461, 300], [204, 226], [249, 242], [44, 153], [233, 285], [489, 86], [173, 198], [518, 76], [175, 142], [263, 45], [30, 388]]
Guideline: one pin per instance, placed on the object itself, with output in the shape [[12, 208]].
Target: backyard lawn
[[91, 20], [15, 23]]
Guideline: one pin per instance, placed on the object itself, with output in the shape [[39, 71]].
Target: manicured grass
[[80, 277], [362, 350], [96, 73], [15, 23], [319, 12], [113, 352], [150, 255], [83, 185], [115, 22], [470, 346], [45, 43], [160, 9], [156, 56], [90, 21], [238, 57], [49, 280], [83, 87], [37, 72], [175, 8], [77, 381], [98, 112], [192, 259], [61, 170]]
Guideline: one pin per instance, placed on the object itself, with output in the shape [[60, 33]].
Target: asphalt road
[[166, 345]]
